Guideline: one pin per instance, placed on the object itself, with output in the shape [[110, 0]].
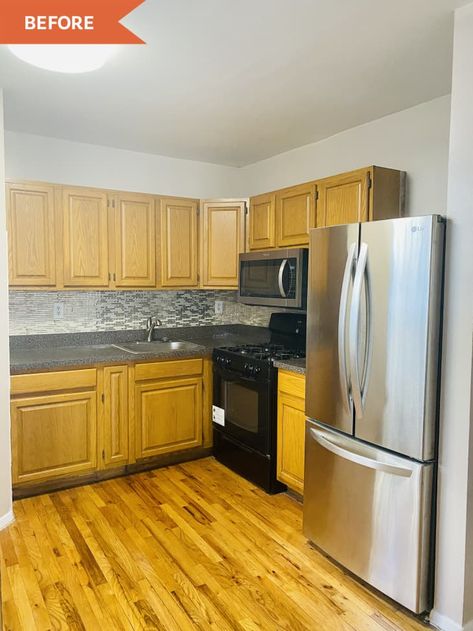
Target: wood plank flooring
[[191, 546]]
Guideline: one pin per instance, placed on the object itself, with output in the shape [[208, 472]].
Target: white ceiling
[[236, 81]]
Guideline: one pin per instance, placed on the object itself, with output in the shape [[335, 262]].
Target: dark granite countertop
[[294, 365], [61, 351]]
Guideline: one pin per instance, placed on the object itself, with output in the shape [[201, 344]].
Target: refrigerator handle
[[342, 318], [359, 383], [280, 278], [347, 454]]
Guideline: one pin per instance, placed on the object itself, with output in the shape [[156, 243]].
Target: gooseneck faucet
[[151, 324]]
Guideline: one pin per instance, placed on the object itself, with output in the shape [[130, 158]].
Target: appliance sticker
[[218, 415]]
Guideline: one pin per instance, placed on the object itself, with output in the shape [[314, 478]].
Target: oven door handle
[[231, 377], [282, 267]]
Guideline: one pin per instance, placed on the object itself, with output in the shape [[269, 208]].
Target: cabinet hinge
[[103, 398], [316, 195], [113, 203], [114, 276], [103, 454], [368, 180], [110, 276]]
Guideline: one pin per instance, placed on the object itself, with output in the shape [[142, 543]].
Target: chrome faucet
[[151, 324]]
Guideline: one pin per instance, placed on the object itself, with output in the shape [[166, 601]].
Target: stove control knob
[[228, 362], [257, 370], [251, 369], [245, 367]]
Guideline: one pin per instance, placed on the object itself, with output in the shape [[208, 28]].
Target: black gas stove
[[245, 406]]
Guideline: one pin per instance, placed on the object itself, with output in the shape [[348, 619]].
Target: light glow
[[70, 58]]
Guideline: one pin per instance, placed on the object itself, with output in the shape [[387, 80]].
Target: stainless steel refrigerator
[[374, 319]]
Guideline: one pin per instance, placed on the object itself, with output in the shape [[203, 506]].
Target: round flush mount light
[[70, 58]]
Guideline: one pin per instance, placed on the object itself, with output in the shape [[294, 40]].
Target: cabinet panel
[[295, 215], [168, 416], [223, 233], [179, 245], [115, 417], [31, 235], [53, 435], [85, 238], [262, 223], [135, 244], [343, 198], [291, 431]]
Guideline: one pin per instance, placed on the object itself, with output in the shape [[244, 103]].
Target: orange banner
[[66, 22]]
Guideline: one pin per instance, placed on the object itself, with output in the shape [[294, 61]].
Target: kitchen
[[193, 344]]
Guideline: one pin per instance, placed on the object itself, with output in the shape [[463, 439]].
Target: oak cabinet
[[362, 195], [31, 235], [291, 430], [262, 222], [179, 243], [134, 240], [295, 215], [85, 238], [114, 428], [222, 240]]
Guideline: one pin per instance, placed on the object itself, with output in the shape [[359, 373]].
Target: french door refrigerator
[[374, 319]]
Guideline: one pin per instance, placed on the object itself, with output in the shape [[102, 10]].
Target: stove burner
[[265, 352]]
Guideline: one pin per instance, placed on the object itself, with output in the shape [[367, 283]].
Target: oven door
[[242, 409], [276, 278]]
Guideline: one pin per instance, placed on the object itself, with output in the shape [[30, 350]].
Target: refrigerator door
[[332, 260], [371, 512], [394, 334]]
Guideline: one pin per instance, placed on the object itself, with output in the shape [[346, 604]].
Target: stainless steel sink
[[136, 348]]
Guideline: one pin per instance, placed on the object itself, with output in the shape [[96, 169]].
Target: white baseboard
[[446, 624], [6, 519]]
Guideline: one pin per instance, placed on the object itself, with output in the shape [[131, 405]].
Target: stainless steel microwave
[[274, 278]]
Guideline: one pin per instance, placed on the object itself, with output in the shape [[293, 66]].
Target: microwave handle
[[280, 277]]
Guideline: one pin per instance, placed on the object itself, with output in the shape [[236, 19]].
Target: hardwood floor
[[191, 546]]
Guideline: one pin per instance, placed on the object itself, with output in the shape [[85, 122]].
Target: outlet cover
[[219, 307], [58, 311]]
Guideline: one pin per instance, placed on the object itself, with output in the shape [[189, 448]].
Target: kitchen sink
[[136, 348]]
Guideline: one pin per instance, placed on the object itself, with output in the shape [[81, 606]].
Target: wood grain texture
[[262, 222], [295, 214], [135, 241], [85, 234], [114, 426], [178, 229], [31, 234], [52, 381], [291, 430], [183, 548], [344, 198], [222, 240]]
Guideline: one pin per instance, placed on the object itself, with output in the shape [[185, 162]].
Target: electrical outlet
[[58, 311], [219, 307]]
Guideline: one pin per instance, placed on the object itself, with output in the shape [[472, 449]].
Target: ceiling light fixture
[[70, 58]]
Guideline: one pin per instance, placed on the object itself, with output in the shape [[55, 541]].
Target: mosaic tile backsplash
[[32, 312]]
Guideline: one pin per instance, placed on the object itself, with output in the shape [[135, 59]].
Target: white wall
[[6, 514], [65, 162], [453, 608], [414, 140]]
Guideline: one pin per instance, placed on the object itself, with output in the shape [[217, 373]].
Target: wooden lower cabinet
[[53, 435], [291, 430], [114, 427], [78, 424]]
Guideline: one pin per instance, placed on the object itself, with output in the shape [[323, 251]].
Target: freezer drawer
[[370, 511]]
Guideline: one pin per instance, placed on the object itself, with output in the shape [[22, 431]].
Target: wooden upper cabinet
[[295, 214], [179, 243], [135, 242], [31, 235], [222, 240], [361, 195], [262, 223], [85, 225]]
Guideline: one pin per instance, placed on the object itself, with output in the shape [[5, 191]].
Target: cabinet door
[[178, 222], [291, 432], [53, 435], [168, 416], [31, 235], [262, 224], [295, 215], [85, 238], [115, 416], [135, 244], [223, 234], [343, 198]]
